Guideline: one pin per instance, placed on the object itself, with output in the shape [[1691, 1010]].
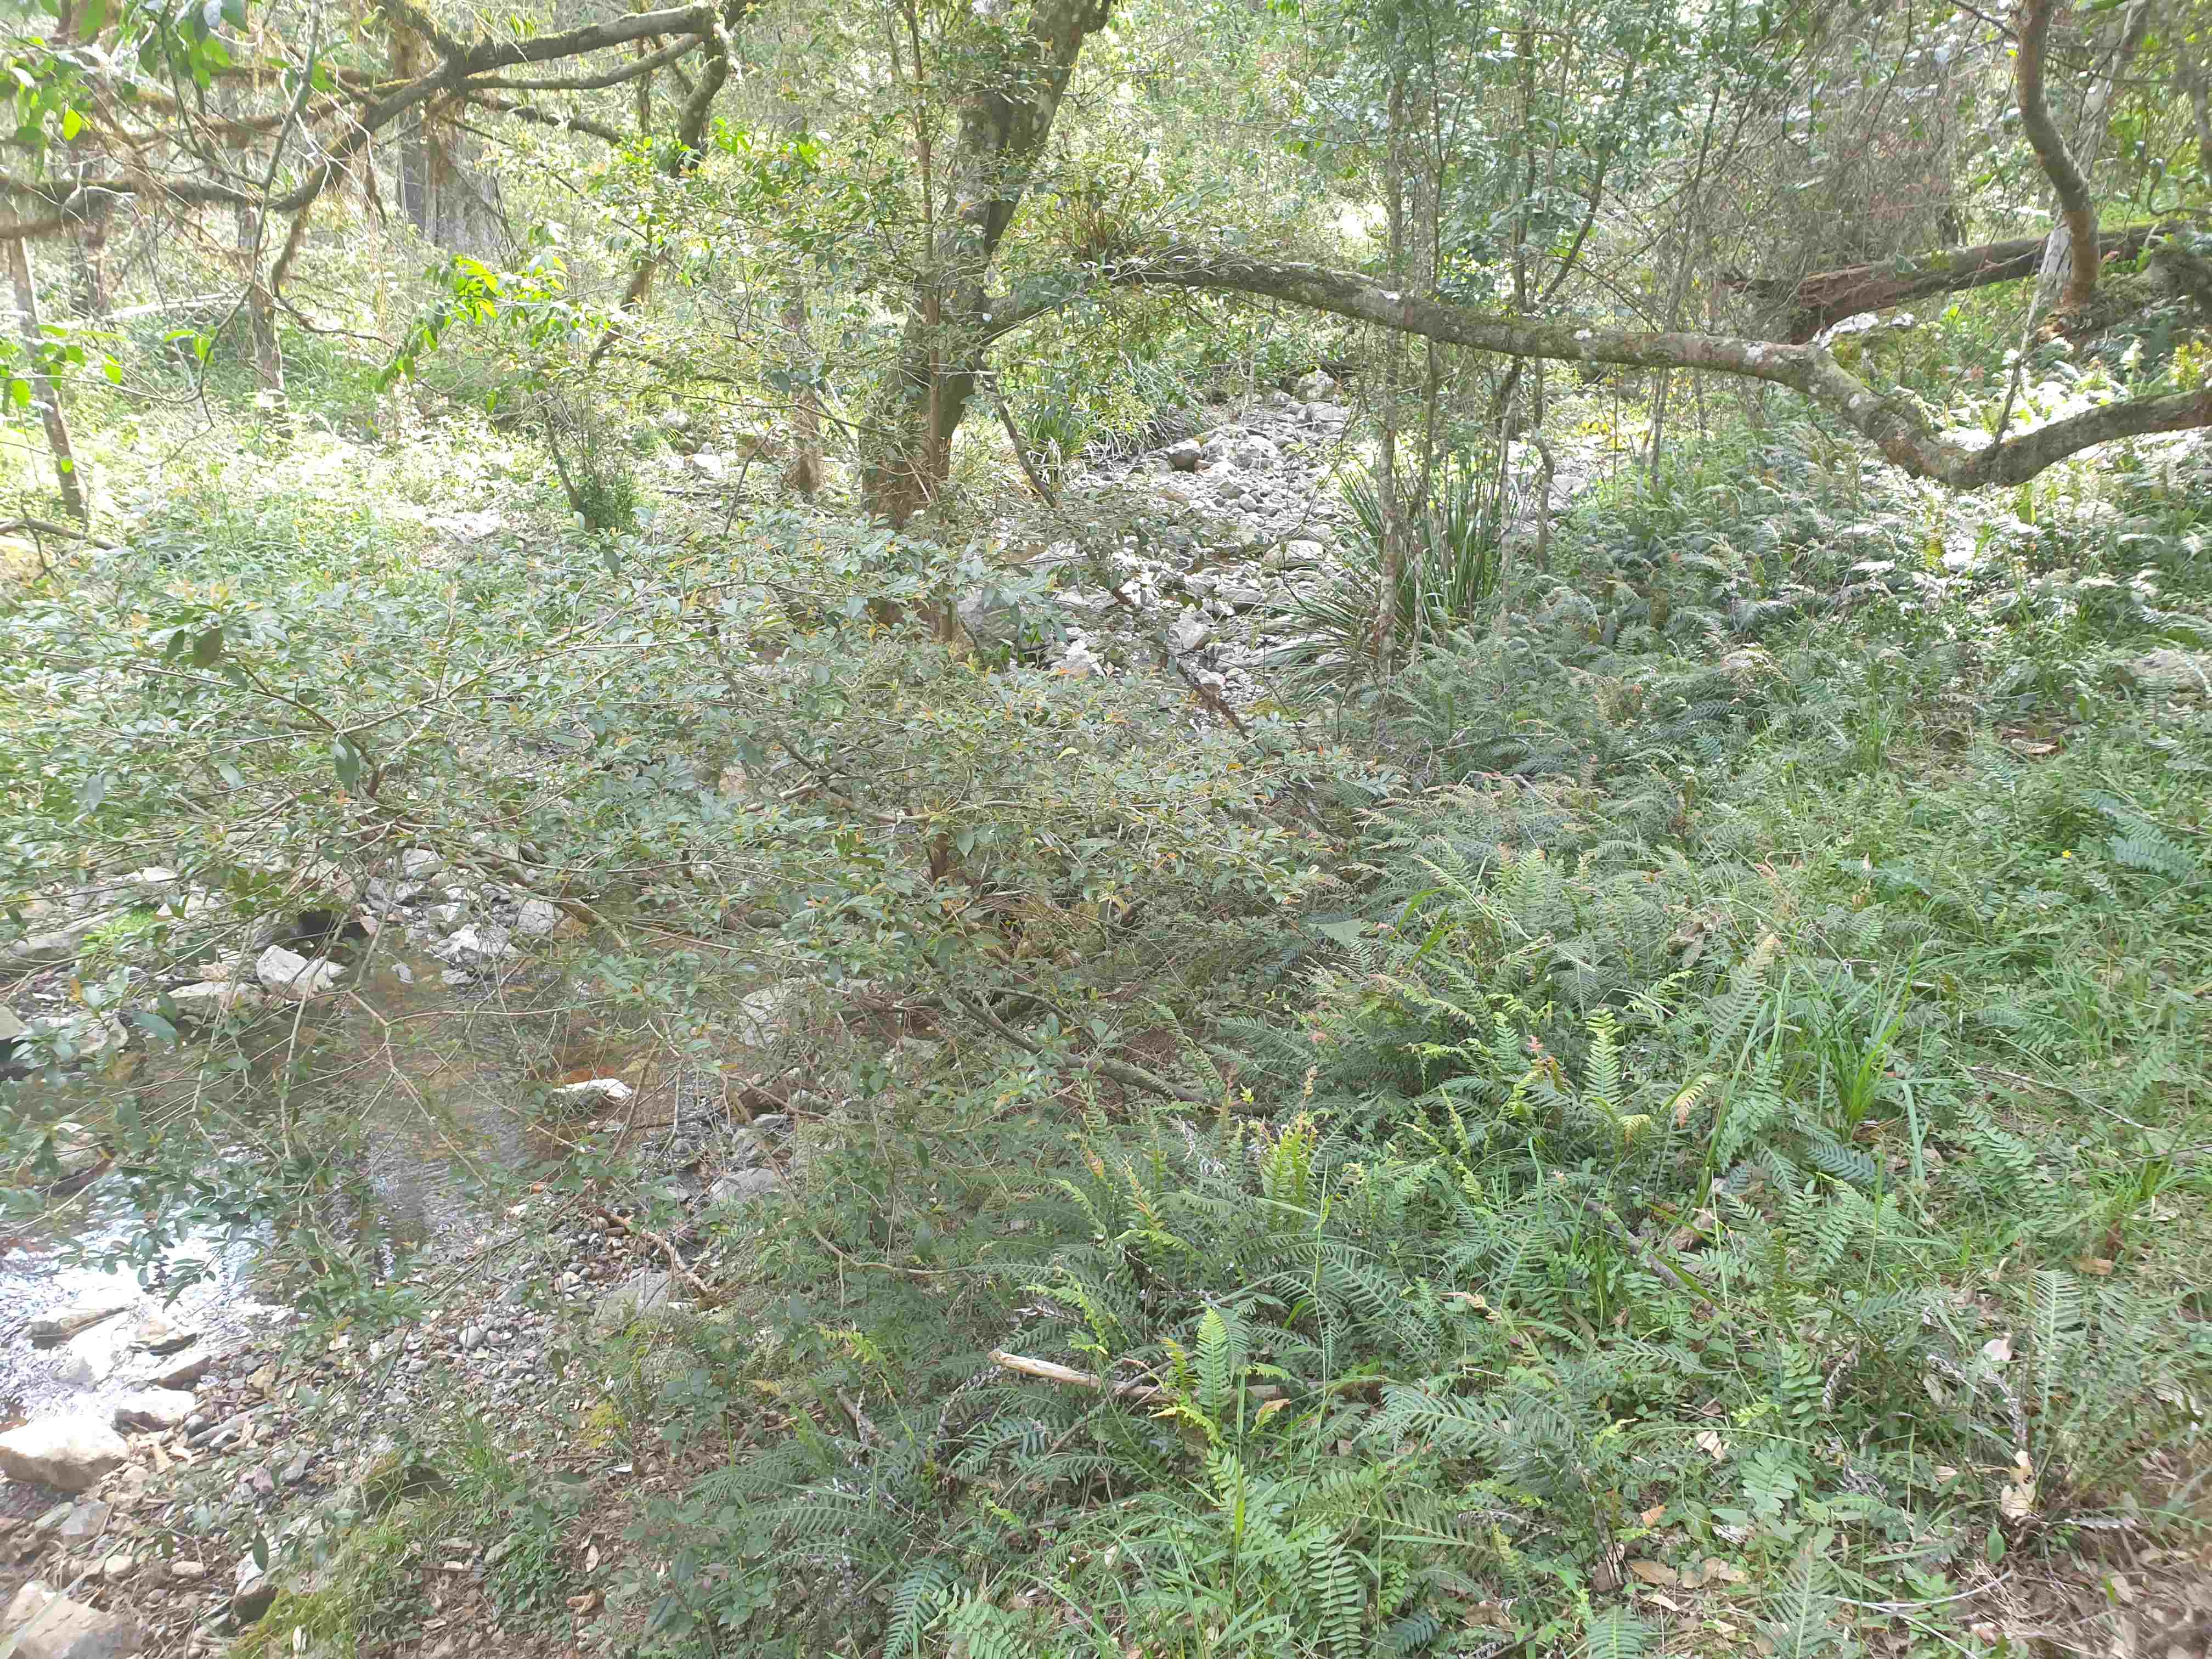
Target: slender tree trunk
[[42, 386], [1393, 549], [89, 245], [260, 315], [805, 473], [2070, 257]]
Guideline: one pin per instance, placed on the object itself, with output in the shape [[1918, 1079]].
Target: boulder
[[73, 1453], [288, 974], [42, 1624], [1316, 388], [1184, 457]]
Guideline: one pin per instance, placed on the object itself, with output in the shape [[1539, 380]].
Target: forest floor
[[1830, 951]]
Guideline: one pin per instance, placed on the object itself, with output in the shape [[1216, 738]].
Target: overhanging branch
[[1811, 369]]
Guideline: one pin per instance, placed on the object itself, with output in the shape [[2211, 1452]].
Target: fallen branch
[[1150, 1393], [699, 1286], [1892, 424]]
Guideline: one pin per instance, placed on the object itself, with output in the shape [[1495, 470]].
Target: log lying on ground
[[1826, 297]]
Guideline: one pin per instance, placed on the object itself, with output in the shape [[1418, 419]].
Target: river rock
[[2171, 672], [92, 1355], [288, 974], [1189, 632], [475, 944], [1184, 457], [1254, 454], [154, 1408], [42, 1624], [71, 1453], [742, 1186], [539, 918], [177, 1370], [642, 1292], [47, 950], [206, 999], [85, 1520], [12, 1029], [157, 1335], [51, 1329]]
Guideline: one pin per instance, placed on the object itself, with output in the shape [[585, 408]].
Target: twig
[[699, 1285], [1045, 1371], [1021, 451]]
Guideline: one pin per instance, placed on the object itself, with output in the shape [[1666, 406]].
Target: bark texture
[[1004, 119]]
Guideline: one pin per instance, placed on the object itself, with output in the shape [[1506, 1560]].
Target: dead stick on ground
[[698, 1285], [1046, 1371]]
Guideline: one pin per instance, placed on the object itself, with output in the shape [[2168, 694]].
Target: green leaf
[[72, 124], [151, 1023], [347, 759], [92, 792], [19, 391], [207, 647], [112, 369]]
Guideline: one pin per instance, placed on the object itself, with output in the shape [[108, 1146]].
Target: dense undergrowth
[[1694, 1095], [1737, 1135]]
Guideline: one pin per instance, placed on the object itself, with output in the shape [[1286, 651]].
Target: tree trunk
[[805, 473], [42, 386], [2071, 258], [1392, 553], [260, 315], [90, 213], [1005, 113]]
